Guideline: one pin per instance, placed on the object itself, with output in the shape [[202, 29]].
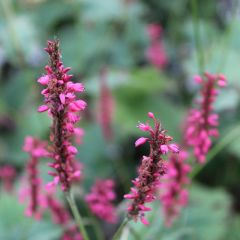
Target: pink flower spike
[[150, 172], [174, 148], [62, 98], [43, 80], [43, 108], [100, 200], [140, 141], [201, 123], [63, 107]]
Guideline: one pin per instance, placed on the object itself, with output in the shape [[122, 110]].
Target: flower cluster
[[64, 107], [100, 200], [202, 122], [61, 216], [156, 53], [7, 176], [173, 192], [151, 169], [36, 149], [106, 107]]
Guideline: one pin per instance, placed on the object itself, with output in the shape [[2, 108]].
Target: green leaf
[[14, 225]]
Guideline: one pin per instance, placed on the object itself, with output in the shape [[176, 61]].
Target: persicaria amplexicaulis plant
[[100, 200], [151, 170], [158, 177], [202, 122], [63, 107]]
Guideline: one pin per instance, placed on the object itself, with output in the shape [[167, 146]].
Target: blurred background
[[140, 55]]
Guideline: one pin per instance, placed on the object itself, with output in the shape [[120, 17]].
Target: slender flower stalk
[[63, 107], [36, 149], [151, 170], [202, 122], [173, 187], [100, 200]]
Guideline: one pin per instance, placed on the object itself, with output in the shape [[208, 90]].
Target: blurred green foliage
[[94, 34]]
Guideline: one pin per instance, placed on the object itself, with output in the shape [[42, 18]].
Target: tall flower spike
[[36, 149], [202, 122], [64, 107], [106, 106], [151, 169], [173, 191], [100, 200], [156, 53], [7, 176]]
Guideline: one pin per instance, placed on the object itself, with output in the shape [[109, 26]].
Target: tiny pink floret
[[140, 141], [43, 108]]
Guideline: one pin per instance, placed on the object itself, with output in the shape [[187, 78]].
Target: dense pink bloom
[[100, 200], [63, 107], [36, 150], [202, 122], [106, 107], [150, 171], [156, 53], [173, 191], [7, 176]]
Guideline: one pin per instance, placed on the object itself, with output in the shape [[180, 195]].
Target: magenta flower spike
[[156, 53], [202, 122], [151, 169], [173, 187], [100, 200], [36, 149], [7, 176], [63, 107], [106, 106]]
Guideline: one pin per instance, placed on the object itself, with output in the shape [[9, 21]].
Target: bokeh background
[[112, 34]]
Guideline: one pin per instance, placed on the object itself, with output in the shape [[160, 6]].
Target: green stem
[[135, 235], [197, 40], [76, 214], [118, 233], [231, 136], [97, 228]]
